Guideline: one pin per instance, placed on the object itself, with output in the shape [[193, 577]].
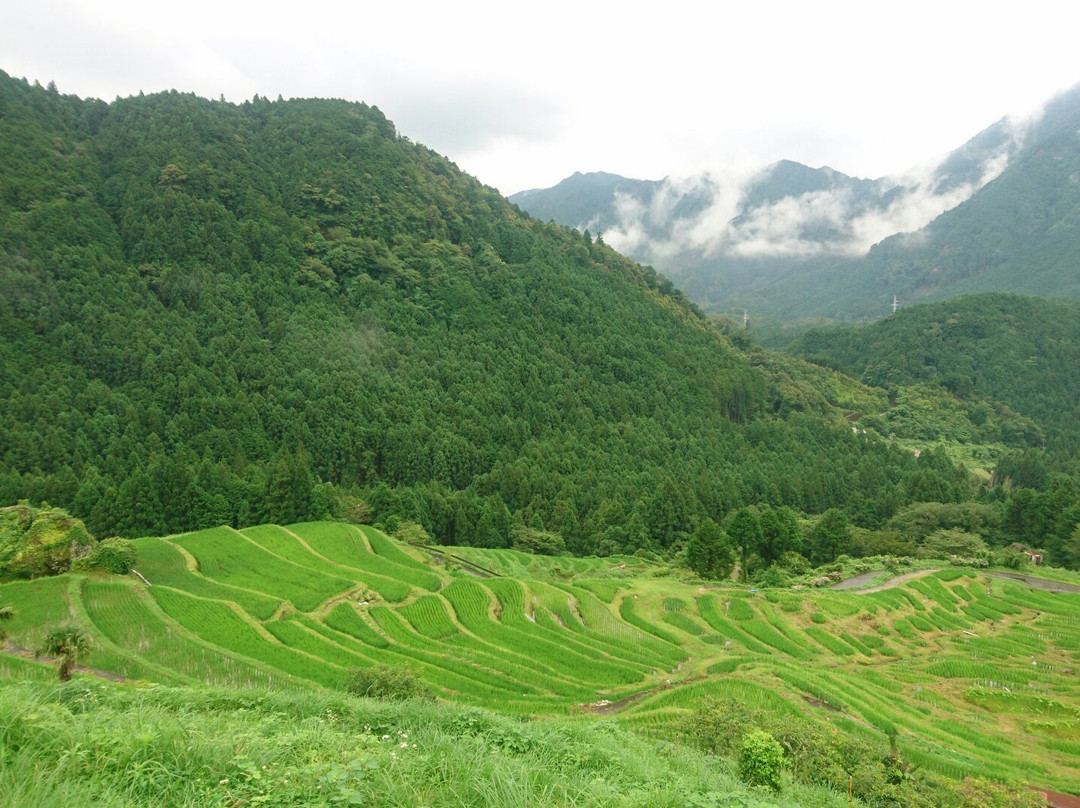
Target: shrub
[[761, 759], [387, 682], [115, 555]]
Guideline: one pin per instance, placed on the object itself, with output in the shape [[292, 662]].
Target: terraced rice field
[[973, 674]]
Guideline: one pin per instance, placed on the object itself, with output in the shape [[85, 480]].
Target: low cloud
[[847, 218]]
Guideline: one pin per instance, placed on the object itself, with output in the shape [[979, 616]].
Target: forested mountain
[[998, 214], [219, 313], [1023, 352], [993, 352]]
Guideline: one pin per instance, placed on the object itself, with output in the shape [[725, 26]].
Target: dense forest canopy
[[227, 314]]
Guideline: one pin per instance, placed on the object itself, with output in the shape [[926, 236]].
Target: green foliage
[[948, 543], [68, 643], [411, 533], [761, 759], [532, 540], [709, 552], [387, 682], [115, 555], [39, 541], [829, 538]]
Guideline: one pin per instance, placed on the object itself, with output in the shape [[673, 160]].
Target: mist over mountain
[[794, 241]]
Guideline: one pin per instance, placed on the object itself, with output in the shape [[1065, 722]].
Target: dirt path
[[15, 650], [1037, 583], [856, 581], [899, 579], [605, 707]]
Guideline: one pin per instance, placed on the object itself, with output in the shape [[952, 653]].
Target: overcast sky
[[524, 94]]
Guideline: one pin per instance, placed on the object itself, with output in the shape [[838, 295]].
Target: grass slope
[[973, 675]]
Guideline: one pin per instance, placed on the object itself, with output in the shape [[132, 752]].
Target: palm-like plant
[[67, 643]]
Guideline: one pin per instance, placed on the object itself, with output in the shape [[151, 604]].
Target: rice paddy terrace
[[973, 674]]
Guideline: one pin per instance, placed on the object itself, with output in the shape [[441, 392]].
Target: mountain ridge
[[793, 241]]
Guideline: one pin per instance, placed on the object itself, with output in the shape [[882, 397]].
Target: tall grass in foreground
[[93, 744]]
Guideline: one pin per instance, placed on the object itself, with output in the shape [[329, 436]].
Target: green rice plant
[[920, 624], [979, 610], [35, 604], [389, 549], [1070, 748], [710, 611], [466, 598], [962, 592], [19, 669], [997, 646], [949, 621], [915, 602], [889, 599], [511, 599], [932, 698], [819, 618], [684, 623], [843, 605], [872, 641], [994, 599], [508, 671], [229, 557], [810, 684], [966, 668], [348, 545], [603, 588], [344, 618], [934, 590], [763, 632], [219, 625], [1027, 638], [128, 618], [858, 646], [631, 641], [560, 609], [739, 609], [1048, 602], [829, 642], [878, 679], [904, 629], [729, 665], [1006, 701], [427, 614], [675, 605], [290, 546], [163, 564], [626, 611], [296, 636], [948, 574]]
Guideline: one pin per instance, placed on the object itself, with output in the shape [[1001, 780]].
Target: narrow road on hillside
[[856, 582]]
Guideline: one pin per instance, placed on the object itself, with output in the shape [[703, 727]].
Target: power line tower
[[745, 318], [895, 304]]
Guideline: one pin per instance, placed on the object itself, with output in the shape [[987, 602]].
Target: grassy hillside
[[199, 746], [971, 674]]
